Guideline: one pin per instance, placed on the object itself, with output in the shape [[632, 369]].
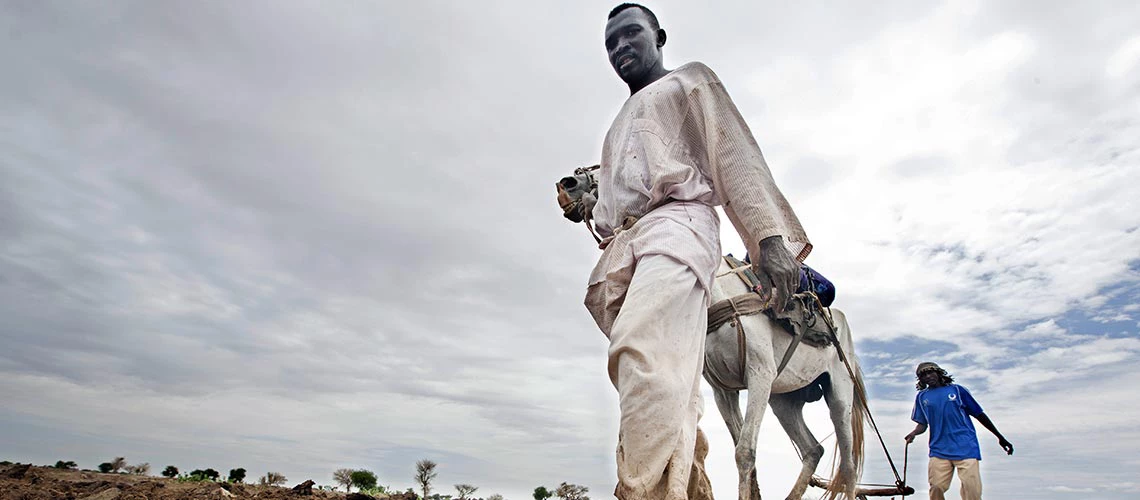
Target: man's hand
[[909, 437], [778, 271], [985, 421], [1006, 445]]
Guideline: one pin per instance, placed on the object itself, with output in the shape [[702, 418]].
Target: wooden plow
[[869, 490], [864, 490]]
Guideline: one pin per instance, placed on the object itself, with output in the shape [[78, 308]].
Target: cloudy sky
[[298, 236]]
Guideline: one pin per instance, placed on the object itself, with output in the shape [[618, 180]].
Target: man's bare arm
[[988, 424], [919, 429]]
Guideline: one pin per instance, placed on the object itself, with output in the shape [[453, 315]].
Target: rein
[[861, 393]]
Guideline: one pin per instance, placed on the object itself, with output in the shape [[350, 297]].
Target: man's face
[[631, 44], [931, 378]]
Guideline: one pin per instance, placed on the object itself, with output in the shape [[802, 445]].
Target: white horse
[[809, 368]]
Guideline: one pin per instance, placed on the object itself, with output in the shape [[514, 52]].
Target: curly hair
[[947, 379]]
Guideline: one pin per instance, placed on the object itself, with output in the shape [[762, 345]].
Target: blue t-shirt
[[947, 410]]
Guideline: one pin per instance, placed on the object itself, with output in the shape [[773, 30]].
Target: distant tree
[[495, 496], [212, 474], [198, 475], [343, 477], [363, 479], [272, 479], [425, 473], [465, 490], [66, 465], [118, 463], [106, 467], [138, 469], [567, 491], [541, 493], [237, 475], [170, 471]]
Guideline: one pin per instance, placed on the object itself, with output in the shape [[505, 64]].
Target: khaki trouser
[[656, 354], [941, 471]]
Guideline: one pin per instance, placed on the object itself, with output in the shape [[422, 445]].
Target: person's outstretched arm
[[988, 424]]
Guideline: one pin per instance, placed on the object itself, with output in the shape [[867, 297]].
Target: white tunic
[[678, 148]]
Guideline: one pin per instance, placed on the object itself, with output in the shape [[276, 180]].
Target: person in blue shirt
[[946, 408]]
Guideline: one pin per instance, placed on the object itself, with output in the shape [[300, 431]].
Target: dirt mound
[[27, 482]]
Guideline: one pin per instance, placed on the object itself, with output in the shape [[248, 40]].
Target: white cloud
[[1124, 60], [330, 235]]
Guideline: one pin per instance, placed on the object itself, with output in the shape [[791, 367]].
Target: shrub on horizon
[[465, 490], [118, 463], [272, 479], [569, 491], [170, 471], [362, 479], [378, 490], [237, 475], [200, 476]]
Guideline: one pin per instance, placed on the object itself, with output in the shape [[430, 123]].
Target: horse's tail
[[859, 413]]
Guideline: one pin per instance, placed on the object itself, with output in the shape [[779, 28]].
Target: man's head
[[931, 375], [633, 43]]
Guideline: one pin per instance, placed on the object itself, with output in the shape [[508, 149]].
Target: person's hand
[[1006, 445], [778, 271], [909, 438]]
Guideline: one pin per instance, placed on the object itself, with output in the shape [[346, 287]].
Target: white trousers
[[656, 355]]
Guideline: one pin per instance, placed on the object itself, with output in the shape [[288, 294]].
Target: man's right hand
[[909, 438], [1006, 445]]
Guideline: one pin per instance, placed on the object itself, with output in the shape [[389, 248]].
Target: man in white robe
[[677, 149]]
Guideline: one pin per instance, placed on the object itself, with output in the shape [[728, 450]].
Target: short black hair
[[652, 17]]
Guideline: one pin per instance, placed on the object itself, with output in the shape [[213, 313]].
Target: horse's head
[[577, 194]]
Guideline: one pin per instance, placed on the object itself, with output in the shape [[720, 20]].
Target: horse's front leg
[[759, 381]]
